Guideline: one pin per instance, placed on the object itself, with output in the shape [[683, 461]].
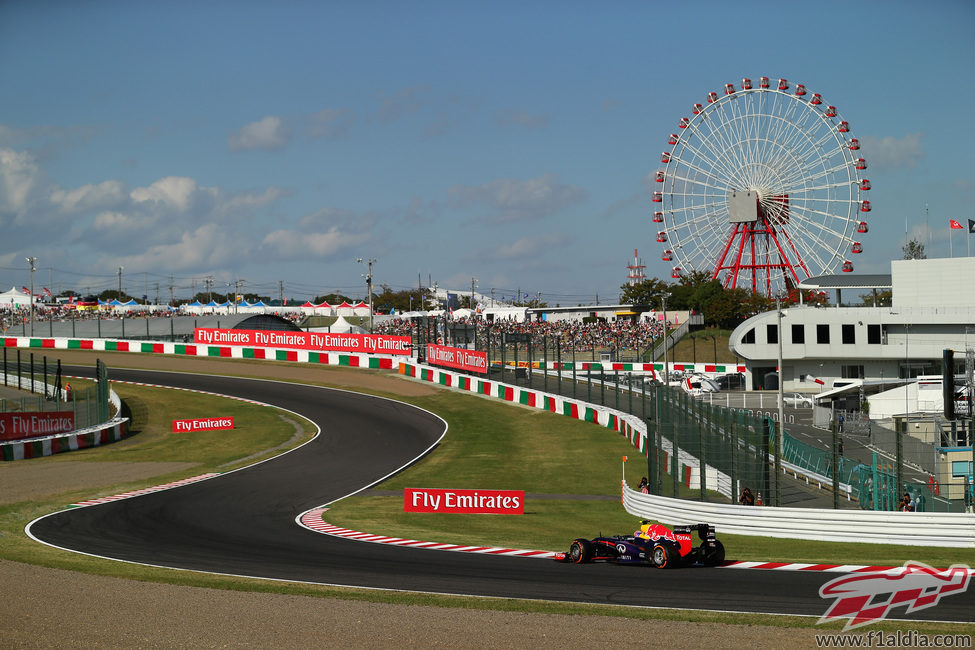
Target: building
[[931, 310]]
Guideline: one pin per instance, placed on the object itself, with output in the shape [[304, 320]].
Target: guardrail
[[955, 530]]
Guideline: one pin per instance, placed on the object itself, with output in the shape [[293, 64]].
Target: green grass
[[494, 445]]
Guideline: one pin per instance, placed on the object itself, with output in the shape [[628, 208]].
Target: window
[[873, 335], [849, 334], [772, 334], [851, 372], [749, 336], [822, 334], [799, 334]]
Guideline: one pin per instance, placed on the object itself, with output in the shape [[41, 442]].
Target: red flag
[[955, 224], [25, 290]]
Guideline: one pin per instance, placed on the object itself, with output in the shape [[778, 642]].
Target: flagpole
[[950, 237]]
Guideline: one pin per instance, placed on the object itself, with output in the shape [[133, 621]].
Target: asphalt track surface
[[243, 523]]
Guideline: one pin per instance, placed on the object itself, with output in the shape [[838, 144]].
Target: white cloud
[[290, 244], [514, 200], [205, 247], [269, 133], [88, 197], [889, 153], [18, 176], [172, 191]]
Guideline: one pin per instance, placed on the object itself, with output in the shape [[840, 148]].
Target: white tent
[[340, 326], [14, 298]]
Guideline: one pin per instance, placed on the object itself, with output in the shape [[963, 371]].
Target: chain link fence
[[51, 392]]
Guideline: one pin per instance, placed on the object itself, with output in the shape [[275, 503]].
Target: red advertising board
[[17, 426], [325, 341], [468, 360], [493, 502], [202, 424]]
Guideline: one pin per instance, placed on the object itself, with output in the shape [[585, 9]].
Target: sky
[[508, 144]]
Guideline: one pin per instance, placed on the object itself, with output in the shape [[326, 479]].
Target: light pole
[[31, 261], [368, 276], [780, 438]]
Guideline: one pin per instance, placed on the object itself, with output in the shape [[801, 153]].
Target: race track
[[243, 522]]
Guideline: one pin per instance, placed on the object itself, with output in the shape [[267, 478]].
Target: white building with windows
[[932, 308]]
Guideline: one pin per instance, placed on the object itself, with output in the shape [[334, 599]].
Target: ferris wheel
[[762, 188]]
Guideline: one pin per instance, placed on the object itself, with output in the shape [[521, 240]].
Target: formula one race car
[[653, 544]]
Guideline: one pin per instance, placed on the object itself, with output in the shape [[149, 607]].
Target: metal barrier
[[920, 528]]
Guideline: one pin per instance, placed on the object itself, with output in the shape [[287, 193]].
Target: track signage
[[202, 424], [460, 358], [485, 502], [17, 426], [326, 341]]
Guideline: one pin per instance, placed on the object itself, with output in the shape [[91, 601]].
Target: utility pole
[[209, 284], [171, 287], [157, 293], [120, 283], [31, 261], [473, 284], [281, 291]]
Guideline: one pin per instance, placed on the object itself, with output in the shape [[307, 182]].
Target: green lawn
[[490, 444]]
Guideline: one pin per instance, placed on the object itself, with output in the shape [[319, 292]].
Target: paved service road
[[243, 523]]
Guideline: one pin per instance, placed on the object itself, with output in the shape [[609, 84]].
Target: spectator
[[644, 485], [840, 427], [907, 504], [841, 442], [746, 498]]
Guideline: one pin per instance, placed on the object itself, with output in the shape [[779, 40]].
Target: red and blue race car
[[654, 544]]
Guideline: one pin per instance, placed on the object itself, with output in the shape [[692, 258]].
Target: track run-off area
[[244, 522]]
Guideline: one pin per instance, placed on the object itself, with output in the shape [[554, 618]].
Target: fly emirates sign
[[469, 360], [486, 502], [325, 341]]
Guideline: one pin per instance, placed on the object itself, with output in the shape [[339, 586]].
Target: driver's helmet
[[644, 532]]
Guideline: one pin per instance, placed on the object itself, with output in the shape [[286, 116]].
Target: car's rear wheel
[[663, 556], [714, 556], [580, 551]]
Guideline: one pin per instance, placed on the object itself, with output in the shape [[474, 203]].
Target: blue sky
[[508, 142]]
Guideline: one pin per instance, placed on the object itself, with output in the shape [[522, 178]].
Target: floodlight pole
[[369, 262], [780, 438], [31, 261]]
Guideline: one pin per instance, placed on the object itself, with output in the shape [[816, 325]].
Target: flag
[[815, 379], [955, 224], [971, 225], [47, 292], [25, 290]]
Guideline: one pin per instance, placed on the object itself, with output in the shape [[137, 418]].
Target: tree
[[914, 250], [332, 299], [648, 292]]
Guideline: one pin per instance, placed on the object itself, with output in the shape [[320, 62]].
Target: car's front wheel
[[580, 551]]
